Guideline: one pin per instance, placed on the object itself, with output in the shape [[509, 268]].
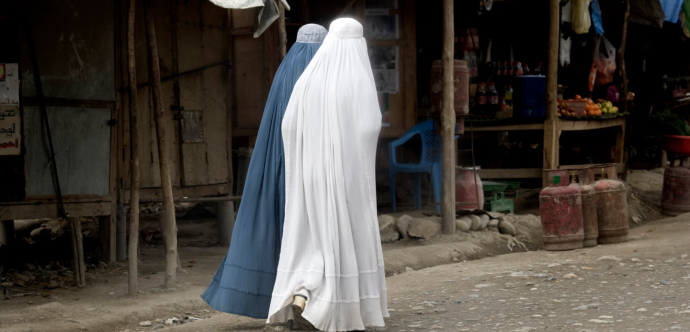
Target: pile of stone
[[406, 227]]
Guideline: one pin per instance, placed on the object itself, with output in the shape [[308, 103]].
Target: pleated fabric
[[331, 250], [244, 281]]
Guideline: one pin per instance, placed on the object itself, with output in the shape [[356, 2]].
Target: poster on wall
[[379, 23], [384, 105], [381, 27], [383, 57], [10, 131], [379, 7], [386, 80], [9, 84]]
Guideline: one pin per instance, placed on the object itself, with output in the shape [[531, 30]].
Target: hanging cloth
[[265, 13], [672, 9], [244, 281], [331, 250], [647, 12], [685, 18]]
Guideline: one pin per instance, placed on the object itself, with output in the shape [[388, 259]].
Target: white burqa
[[331, 248]]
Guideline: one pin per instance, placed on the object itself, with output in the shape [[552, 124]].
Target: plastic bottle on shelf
[[506, 68], [509, 94], [518, 69], [503, 106], [493, 97], [481, 98], [525, 69]]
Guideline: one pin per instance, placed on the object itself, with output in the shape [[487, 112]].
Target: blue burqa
[[244, 281]]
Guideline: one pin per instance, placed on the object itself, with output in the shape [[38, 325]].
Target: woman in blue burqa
[[244, 281]]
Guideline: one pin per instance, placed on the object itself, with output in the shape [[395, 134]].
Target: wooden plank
[[39, 211], [200, 199], [63, 102], [216, 93], [197, 191], [511, 173], [191, 33], [531, 126], [565, 125]]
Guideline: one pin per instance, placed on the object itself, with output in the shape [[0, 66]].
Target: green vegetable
[[667, 123]]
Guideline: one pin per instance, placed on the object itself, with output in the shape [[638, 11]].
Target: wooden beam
[[511, 173], [564, 125], [551, 133], [169, 227], [78, 266], [39, 211], [195, 191], [623, 99], [531, 126], [198, 199], [282, 33], [133, 248], [448, 121]]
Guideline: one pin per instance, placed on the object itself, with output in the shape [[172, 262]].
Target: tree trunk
[[170, 228]]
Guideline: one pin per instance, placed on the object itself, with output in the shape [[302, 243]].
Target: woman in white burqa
[[331, 249]]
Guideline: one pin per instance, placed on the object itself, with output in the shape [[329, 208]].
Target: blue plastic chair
[[430, 163]]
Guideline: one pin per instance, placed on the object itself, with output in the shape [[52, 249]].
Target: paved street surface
[[640, 285]]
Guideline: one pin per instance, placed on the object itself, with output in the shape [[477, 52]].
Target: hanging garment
[[647, 12], [672, 9], [244, 281], [331, 251], [238, 4], [685, 18], [265, 13]]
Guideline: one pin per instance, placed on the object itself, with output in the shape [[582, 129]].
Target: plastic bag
[[605, 59], [596, 17], [564, 51], [580, 19]]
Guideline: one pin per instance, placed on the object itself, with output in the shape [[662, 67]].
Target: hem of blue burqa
[[225, 299]]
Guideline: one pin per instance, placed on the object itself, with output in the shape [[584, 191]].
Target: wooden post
[[77, 252], [551, 131], [282, 33], [623, 99], [448, 121], [133, 249], [170, 228]]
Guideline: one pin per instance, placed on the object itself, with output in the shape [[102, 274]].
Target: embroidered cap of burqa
[[244, 281], [331, 250]]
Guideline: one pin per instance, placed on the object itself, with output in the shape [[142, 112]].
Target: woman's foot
[[298, 305]]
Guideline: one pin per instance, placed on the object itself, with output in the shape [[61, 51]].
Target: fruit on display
[[592, 109], [606, 106], [565, 110]]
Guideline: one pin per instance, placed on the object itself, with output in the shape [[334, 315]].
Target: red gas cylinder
[[675, 197], [468, 189], [612, 207], [462, 87], [561, 213], [584, 176]]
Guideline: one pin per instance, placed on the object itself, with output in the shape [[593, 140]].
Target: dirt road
[[640, 285]]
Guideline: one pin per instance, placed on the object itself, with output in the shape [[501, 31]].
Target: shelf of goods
[[562, 124]]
